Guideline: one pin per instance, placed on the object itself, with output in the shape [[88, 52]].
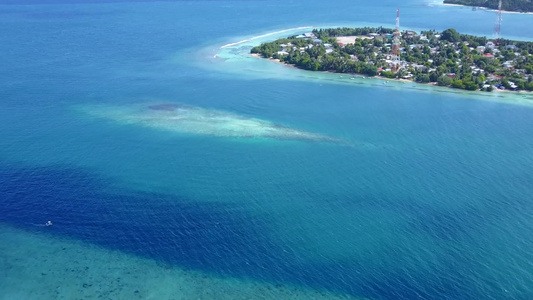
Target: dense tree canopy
[[450, 35], [345, 31], [451, 59]]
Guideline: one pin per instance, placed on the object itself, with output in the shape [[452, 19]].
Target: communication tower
[[395, 58], [498, 27]]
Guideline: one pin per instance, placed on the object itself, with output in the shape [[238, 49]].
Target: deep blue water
[[432, 202]]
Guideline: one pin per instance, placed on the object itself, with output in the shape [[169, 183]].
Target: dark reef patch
[[165, 106], [226, 239]]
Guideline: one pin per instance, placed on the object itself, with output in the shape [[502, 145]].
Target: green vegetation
[[509, 5], [450, 35], [447, 59]]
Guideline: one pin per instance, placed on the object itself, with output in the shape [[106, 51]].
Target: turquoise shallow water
[[429, 197]]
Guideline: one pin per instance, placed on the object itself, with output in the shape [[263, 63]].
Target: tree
[[470, 85], [458, 84], [444, 80], [529, 69], [433, 76], [464, 49], [506, 84], [370, 70], [450, 35], [509, 55], [388, 74], [424, 78]]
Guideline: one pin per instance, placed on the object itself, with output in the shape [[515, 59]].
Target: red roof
[[488, 55]]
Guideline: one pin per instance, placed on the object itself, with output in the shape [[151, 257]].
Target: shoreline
[[488, 9], [342, 74], [264, 35], [434, 84]]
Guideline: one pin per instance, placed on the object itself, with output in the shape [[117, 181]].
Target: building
[[510, 47], [508, 64], [411, 33]]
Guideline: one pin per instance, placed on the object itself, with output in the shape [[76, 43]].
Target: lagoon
[[435, 204]]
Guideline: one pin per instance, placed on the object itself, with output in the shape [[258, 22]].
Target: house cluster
[[286, 48], [377, 51], [489, 50], [418, 54]]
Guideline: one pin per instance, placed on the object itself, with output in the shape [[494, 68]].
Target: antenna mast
[[497, 28], [396, 45]]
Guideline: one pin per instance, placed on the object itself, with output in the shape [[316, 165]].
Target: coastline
[[489, 9], [264, 35], [345, 74], [393, 79]]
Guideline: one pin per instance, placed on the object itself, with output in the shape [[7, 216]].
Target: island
[[445, 58], [507, 5]]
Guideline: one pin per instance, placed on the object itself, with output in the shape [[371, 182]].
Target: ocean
[[271, 182]]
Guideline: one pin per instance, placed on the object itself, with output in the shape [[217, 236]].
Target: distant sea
[[429, 197]]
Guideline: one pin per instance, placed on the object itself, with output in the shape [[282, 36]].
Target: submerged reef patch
[[202, 121]]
